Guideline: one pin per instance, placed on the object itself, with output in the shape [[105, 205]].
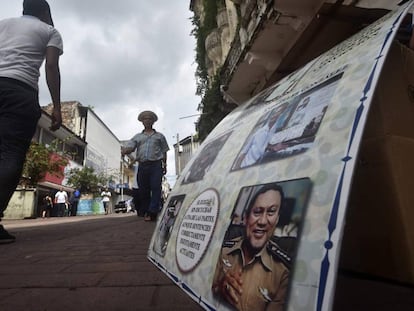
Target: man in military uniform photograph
[[252, 271]]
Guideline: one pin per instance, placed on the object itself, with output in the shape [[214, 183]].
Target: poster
[[268, 189]]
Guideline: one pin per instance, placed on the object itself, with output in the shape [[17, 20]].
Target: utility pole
[[178, 155], [122, 178]]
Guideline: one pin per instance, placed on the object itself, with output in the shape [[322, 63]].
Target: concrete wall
[[21, 205]]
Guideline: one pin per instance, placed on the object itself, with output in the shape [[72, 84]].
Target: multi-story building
[[258, 42], [184, 149], [28, 205], [102, 151], [86, 139]]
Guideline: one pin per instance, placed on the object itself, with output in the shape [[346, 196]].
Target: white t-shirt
[[106, 195], [61, 197], [23, 43]]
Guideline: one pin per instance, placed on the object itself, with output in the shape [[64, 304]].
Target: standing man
[[106, 199], [61, 200], [252, 271], [151, 153], [25, 42], [74, 201]]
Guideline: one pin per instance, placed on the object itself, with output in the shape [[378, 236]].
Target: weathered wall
[[21, 205]]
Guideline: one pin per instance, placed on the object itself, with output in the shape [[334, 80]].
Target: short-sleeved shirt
[[149, 147], [61, 197], [265, 279], [106, 196], [23, 43]]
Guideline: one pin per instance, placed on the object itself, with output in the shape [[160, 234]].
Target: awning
[[48, 184]]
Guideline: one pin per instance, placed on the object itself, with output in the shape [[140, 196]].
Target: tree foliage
[[212, 106], [200, 32], [86, 180], [41, 159]]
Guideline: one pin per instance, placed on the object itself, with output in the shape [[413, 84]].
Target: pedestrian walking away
[[25, 42], [106, 199], [151, 153]]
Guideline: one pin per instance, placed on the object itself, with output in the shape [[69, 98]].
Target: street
[[84, 263]]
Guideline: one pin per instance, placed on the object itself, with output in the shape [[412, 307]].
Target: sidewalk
[[84, 263]]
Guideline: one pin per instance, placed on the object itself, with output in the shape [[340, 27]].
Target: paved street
[[84, 263], [99, 263]]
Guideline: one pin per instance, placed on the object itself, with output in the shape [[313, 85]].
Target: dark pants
[[106, 207], [135, 198], [19, 113], [149, 180], [74, 208], [61, 207]]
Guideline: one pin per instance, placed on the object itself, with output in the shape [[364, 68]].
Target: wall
[[21, 205], [103, 149]]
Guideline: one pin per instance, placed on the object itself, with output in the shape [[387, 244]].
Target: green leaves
[[86, 180], [41, 159]]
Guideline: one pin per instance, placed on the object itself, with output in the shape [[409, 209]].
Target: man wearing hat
[[25, 42], [151, 153]]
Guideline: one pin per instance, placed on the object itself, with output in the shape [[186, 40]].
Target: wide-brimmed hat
[[147, 113]]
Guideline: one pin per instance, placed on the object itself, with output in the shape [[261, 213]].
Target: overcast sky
[[125, 56]]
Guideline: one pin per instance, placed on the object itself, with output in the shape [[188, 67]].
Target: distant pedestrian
[[25, 42], [74, 201], [61, 201], [106, 199], [47, 206], [151, 152]]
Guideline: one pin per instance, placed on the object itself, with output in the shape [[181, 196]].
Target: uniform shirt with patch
[[265, 279]]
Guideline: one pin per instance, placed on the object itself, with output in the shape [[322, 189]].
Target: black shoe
[[6, 237]]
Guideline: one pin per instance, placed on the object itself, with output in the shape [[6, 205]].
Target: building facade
[[258, 42], [85, 140], [184, 149], [103, 148]]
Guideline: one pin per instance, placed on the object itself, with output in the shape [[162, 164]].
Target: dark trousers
[[74, 208], [19, 113], [106, 207], [149, 180], [135, 198], [60, 207]]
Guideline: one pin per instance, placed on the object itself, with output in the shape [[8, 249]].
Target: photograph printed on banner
[[287, 129], [167, 224], [205, 159], [257, 255]]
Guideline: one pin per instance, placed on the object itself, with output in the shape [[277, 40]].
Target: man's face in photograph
[[262, 219]]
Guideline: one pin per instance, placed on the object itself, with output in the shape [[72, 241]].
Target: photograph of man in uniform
[[167, 223], [253, 269]]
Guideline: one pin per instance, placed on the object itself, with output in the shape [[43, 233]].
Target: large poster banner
[[255, 221]]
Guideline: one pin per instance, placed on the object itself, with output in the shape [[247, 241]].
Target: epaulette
[[229, 243], [279, 254]]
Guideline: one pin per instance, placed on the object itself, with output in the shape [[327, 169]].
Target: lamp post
[[122, 178]]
